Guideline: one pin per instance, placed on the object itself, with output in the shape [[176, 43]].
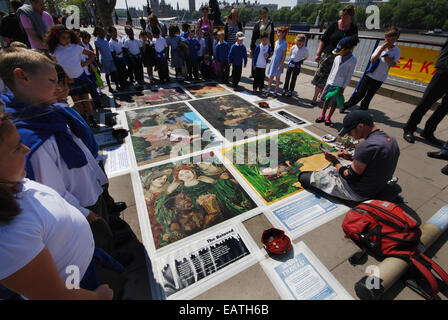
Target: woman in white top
[[46, 246]]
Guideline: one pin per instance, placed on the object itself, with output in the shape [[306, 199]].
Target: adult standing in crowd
[[231, 27], [10, 28], [205, 21], [435, 90], [153, 22], [344, 27], [36, 22], [263, 25]]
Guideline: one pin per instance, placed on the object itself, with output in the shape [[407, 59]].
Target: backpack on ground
[[383, 229]]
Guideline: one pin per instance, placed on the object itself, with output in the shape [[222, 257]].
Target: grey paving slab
[[120, 188], [250, 284], [255, 226]]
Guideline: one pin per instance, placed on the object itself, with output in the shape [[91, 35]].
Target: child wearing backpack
[[383, 58]]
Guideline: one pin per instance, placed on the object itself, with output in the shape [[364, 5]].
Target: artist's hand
[[317, 58], [345, 155], [92, 217], [279, 68]]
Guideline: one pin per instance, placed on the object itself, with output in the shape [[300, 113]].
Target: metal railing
[[362, 52]]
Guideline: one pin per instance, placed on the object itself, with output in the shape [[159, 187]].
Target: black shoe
[[445, 170], [430, 138], [119, 206], [438, 155], [409, 136]]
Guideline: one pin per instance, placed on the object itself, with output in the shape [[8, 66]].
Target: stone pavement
[[425, 190]]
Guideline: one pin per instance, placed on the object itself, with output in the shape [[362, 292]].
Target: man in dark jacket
[[435, 90]]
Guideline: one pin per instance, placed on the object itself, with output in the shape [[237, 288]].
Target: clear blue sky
[[183, 4]]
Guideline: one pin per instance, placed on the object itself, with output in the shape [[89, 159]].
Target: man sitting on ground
[[365, 174]]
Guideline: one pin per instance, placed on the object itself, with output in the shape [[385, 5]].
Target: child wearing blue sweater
[[237, 54], [222, 57], [192, 63]]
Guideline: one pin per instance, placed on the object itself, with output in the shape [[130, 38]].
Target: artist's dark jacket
[[256, 35]]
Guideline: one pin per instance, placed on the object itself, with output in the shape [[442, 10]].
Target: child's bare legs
[[277, 84], [317, 93], [324, 111], [79, 106], [271, 78]]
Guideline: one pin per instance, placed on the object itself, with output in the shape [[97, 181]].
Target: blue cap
[[353, 119], [346, 43]]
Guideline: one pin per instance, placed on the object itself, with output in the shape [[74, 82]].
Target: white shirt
[[133, 46], [261, 60], [117, 47], [80, 187], [297, 54], [341, 74], [380, 73], [159, 44], [70, 58], [84, 58], [46, 220]]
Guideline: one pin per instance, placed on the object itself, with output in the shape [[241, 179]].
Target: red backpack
[[386, 230]]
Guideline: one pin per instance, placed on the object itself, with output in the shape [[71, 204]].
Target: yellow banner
[[415, 64], [290, 39]]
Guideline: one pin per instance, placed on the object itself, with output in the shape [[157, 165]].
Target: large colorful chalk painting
[[160, 132], [233, 112], [148, 97], [276, 178], [206, 90], [184, 198]]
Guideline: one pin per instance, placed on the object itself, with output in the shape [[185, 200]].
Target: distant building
[[302, 2], [192, 5]]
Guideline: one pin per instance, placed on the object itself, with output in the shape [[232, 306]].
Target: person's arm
[[319, 51], [40, 279], [47, 172], [245, 56], [91, 56], [356, 166], [377, 54]]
